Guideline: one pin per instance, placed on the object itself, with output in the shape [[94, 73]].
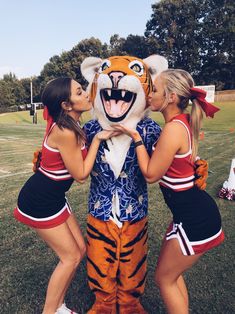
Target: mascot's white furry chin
[[118, 200]]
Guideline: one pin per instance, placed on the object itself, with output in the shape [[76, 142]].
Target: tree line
[[196, 35]]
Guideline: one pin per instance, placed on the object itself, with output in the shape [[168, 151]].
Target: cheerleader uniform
[[196, 218], [42, 202]]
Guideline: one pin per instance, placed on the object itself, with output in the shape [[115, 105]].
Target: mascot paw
[[36, 159], [201, 173]]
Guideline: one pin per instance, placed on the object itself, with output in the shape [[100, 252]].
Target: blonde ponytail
[[182, 83], [195, 124]]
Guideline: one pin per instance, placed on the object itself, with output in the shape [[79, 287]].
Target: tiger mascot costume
[[118, 200]]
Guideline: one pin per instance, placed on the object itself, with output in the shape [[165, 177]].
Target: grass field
[[26, 262]]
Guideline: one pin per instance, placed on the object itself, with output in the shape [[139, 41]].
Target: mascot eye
[[105, 65], [137, 67]]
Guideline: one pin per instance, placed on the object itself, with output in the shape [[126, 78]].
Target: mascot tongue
[[116, 108]]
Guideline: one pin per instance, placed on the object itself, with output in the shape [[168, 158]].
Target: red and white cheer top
[[181, 174], [52, 164]]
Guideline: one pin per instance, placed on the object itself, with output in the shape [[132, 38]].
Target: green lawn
[[26, 262]]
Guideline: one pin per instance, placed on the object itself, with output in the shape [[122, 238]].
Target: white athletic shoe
[[64, 310]]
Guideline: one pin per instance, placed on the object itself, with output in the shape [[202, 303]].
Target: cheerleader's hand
[[201, 173], [133, 133], [37, 159], [107, 134]]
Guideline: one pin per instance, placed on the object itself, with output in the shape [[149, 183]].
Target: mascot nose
[[115, 77]]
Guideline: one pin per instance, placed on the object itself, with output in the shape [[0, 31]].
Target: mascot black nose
[[115, 77]]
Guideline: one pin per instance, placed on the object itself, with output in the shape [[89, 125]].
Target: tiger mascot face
[[119, 86]]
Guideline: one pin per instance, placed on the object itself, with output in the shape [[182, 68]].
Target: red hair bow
[[48, 118], [200, 95]]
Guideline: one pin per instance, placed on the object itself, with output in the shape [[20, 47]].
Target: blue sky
[[32, 31]]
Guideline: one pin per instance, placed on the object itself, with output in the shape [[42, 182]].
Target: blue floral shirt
[[130, 185]]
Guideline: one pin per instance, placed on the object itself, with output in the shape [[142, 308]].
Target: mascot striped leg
[[116, 265]]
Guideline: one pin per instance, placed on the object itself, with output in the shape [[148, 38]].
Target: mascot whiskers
[[118, 200]]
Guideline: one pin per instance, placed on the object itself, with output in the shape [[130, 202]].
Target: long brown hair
[[56, 92], [179, 82]]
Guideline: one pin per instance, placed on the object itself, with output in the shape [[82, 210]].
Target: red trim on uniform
[[43, 224], [201, 248], [197, 248], [55, 177], [169, 228]]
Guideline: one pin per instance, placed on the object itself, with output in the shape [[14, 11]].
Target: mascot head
[[119, 86]]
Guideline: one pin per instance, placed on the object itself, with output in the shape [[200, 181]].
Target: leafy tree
[[219, 42], [175, 26], [25, 83], [116, 45], [198, 36], [68, 64], [7, 98], [135, 45]]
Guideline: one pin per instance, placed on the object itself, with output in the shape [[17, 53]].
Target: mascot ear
[[89, 67], [156, 64]]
